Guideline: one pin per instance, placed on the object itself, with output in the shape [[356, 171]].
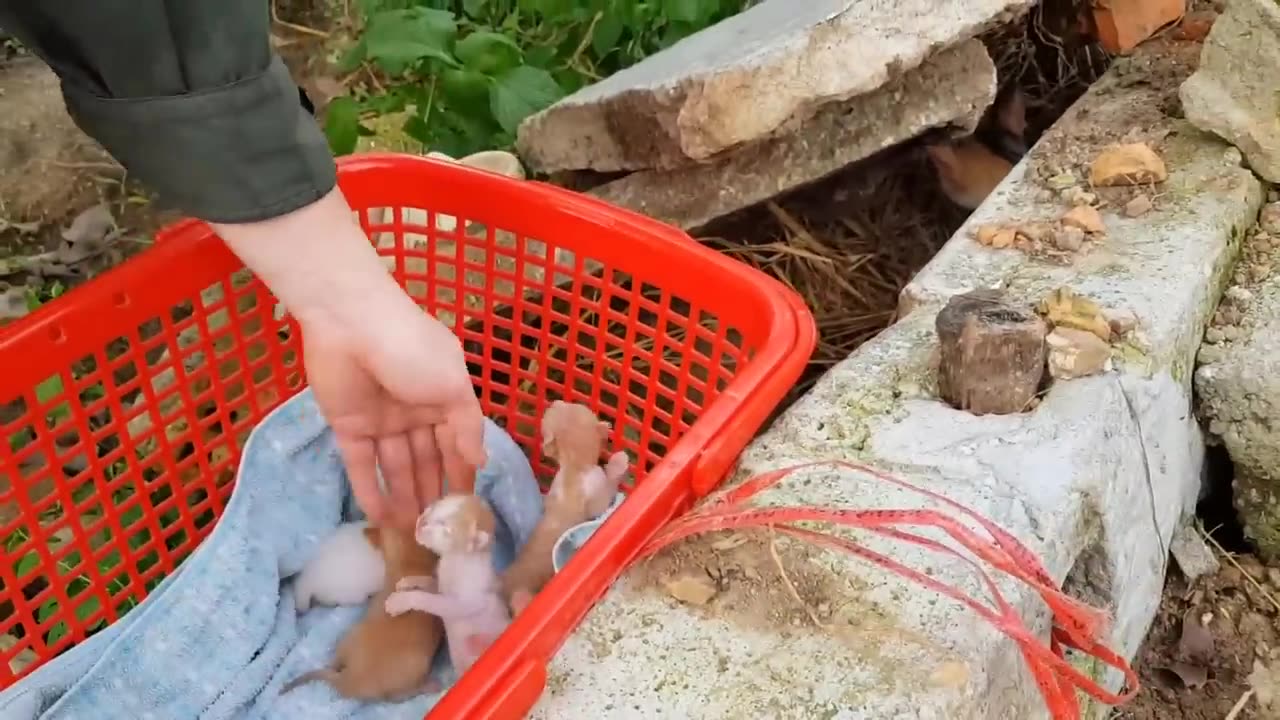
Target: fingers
[[360, 457], [461, 474], [466, 424], [396, 460], [427, 465]]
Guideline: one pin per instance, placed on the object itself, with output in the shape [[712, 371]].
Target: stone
[[991, 353], [1232, 94], [1127, 164], [1195, 26], [1122, 321], [1086, 218], [1269, 219], [1069, 238], [692, 590], [1194, 556], [1076, 353], [952, 88], [1095, 481], [763, 72], [1068, 309], [1137, 207], [986, 235]]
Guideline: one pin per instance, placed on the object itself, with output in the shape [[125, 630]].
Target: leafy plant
[[466, 73]]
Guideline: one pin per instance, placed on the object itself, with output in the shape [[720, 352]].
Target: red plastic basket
[[125, 403]]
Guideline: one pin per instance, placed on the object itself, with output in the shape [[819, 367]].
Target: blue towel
[[217, 639]]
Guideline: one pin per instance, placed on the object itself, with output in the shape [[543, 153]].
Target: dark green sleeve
[[188, 96]]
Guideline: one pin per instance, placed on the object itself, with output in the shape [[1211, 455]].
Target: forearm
[[316, 259], [188, 96]]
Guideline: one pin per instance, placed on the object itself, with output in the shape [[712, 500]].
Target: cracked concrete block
[[952, 88], [760, 72], [1095, 481], [1240, 395], [1236, 91]]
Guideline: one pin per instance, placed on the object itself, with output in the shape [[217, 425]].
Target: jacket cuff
[[239, 153]]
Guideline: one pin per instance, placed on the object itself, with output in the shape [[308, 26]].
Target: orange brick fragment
[[1123, 24]]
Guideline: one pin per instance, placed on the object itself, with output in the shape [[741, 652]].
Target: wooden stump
[[992, 353]]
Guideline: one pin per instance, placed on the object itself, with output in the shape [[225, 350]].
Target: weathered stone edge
[[952, 88]]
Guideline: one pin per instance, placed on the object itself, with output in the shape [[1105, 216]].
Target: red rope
[[1075, 625]]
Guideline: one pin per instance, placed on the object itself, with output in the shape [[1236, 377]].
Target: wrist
[[317, 261]]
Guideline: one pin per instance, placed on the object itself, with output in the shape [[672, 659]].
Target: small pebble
[[1217, 427], [1273, 577], [1079, 196], [1260, 272], [1122, 322], [1062, 180], [1239, 295], [1232, 156], [1085, 217], [1214, 335], [1209, 354], [1044, 195], [1231, 333], [1269, 220], [1069, 238], [1139, 206]]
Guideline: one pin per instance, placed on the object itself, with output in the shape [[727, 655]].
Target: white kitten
[[346, 569]]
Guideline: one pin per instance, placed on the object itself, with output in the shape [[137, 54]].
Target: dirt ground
[[1215, 644], [51, 173]]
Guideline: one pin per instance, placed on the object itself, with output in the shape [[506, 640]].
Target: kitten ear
[[479, 539], [604, 429]]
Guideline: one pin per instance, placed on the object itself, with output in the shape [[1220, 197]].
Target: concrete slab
[[1231, 94], [952, 88], [1095, 481], [760, 72], [1238, 389]]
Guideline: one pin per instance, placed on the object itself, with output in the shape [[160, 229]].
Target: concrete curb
[[1095, 480]]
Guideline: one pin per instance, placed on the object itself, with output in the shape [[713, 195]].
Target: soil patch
[[1242, 609]]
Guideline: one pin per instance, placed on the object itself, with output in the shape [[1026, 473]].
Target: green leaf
[[90, 606], [397, 39], [27, 564], [417, 128], [521, 92], [475, 8], [548, 8], [466, 91], [46, 610], [487, 52], [49, 389], [353, 57], [690, 12], [342, 125], [607, 33]]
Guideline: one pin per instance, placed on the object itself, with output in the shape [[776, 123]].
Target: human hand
[[391, 380], [393, 384]]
